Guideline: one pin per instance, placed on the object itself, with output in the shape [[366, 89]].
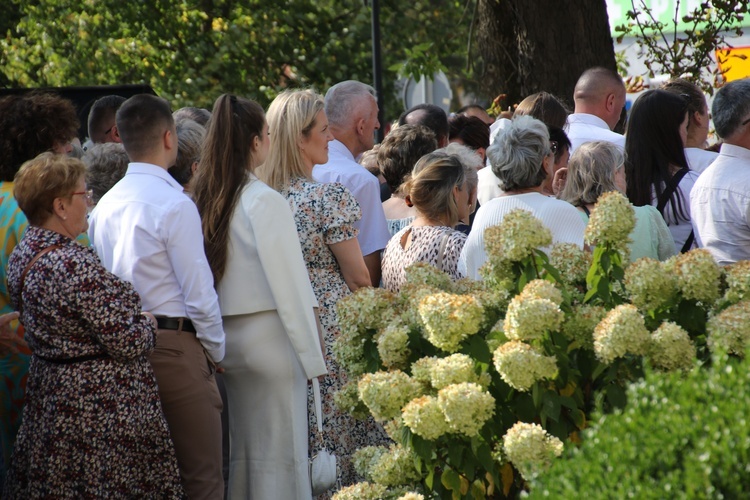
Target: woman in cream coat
[[273, 345]]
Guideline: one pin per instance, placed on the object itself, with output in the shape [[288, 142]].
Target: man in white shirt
[[599, 99], [352, 113], [148, 232], [720, 199]]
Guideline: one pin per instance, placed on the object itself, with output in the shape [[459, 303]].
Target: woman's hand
[[151, 318]]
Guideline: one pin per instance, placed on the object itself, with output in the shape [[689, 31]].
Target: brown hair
[[223, 172], [141, 121], [42, 180], [430, 189], [544, 107], [400, 151]]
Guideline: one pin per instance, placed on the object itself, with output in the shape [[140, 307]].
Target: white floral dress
[[324, 214]]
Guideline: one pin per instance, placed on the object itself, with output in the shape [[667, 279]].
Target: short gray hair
[[517, 155], [190, 136], [343, 99], [591, 172], [106, 163], [470, 160], [731, 107]]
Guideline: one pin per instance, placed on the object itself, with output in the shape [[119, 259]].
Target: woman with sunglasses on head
[[267, 305], [93, 425]]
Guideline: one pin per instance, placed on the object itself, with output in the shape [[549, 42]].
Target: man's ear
[[167, 139], [610, 102], [116, 134]]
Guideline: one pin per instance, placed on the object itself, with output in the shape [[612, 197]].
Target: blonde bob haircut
[[430, 189], [591, 172], [39, 182], [290, 117]]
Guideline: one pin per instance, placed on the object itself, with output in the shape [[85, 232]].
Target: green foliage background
[[190, 51]]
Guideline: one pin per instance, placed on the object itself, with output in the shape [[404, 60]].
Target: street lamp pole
[[377, 69]]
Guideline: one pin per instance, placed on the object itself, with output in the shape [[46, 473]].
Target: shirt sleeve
[[373, 234], [184, 245], [340, 213]]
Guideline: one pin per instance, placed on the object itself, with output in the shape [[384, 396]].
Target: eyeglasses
[[88, 194], [553, 147]]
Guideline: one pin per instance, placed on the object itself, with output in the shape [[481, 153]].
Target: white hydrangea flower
[[395, 467], [425, 418], [361, 491], [393, 345], [411, 496], [385, 393], [366, 309], [466, 407], [671, 348], [730, 329], [571, 261], [530, 318], [449, 319], [542, 289], [530, 448], [520, 366], [698, 275], [738, 280], [421, 370], [423, 274], [649, 284], [611, 221], [622, 331], [364, 458], [516, 236], [453, 369]]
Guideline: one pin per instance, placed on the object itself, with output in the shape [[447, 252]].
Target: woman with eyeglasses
[[93, 425], [522, 159], [656, 168]]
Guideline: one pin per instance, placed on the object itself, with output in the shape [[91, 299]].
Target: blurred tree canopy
[[190, 51]]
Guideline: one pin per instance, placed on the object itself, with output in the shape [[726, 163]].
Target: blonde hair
[[290, 117], [430, 189]]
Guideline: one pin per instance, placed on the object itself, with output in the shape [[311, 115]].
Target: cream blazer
[[266, 271]]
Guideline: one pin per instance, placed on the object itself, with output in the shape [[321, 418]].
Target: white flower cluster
[[466, 407], [364, 458], [449, 319], [738, 281], [543, 289], [361, 491], [411, 496], [421, 370], [622, 331], [572, 263], [580, 324], [425, 418], [453, 369], [611, 221], [395, 467], [423, 274], [520, 366], [671, 348], [347, 399], [516, 236], [530, 448], [409, 299], [385, 393], [698, 275], [730, 329], [530, 317], [393, 345], [367, 309], [649, 284]]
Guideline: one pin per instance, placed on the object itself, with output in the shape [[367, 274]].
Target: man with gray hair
[[352, 113], [599, 98], [720, 198]]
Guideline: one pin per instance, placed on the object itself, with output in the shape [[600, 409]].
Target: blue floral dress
[[325, 214], [92, 425]]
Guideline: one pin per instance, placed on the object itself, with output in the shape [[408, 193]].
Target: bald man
[[599, 99]]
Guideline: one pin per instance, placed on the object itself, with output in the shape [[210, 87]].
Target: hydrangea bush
[[481, 384]]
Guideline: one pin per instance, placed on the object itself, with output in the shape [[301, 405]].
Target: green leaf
[[477, 348], [616, 396], [551, 405], [451, 480]]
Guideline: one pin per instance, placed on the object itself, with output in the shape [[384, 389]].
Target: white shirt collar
[[155, 170], [588, 120], [339, 148], [735, 151]]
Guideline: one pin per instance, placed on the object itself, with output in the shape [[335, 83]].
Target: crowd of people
[[178, 284]]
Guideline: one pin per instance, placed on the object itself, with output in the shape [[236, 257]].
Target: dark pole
[[377, 71]]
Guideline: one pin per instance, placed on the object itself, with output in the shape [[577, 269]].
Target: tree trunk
[[527, 46]]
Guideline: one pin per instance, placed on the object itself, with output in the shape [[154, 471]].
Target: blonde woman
[[325, 215]]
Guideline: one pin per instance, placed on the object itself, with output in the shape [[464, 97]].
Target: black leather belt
[[179, 324]]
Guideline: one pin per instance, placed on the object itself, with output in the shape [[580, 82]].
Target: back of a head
[[477, 111], [400, 151], [595, 84], [591, 172], [290, 116], [430, 189], [545, 107], [470, 130], [429, 115], [190, 136], [102, 116], [560, 138], [106, 164], [31, 124], [198, 115], [345, 100], [142, 121], [731, 107], [517, 154], [689, 91], [470, 160]]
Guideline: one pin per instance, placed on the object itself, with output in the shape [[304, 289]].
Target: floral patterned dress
[[92, 425], [324, 214], [439, 246]]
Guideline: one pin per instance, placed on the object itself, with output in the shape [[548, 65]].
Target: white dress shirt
[[699, 159], [341, 167], [583, 127], [488, 186], [720, 206], [560, 217], [148, 232]]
